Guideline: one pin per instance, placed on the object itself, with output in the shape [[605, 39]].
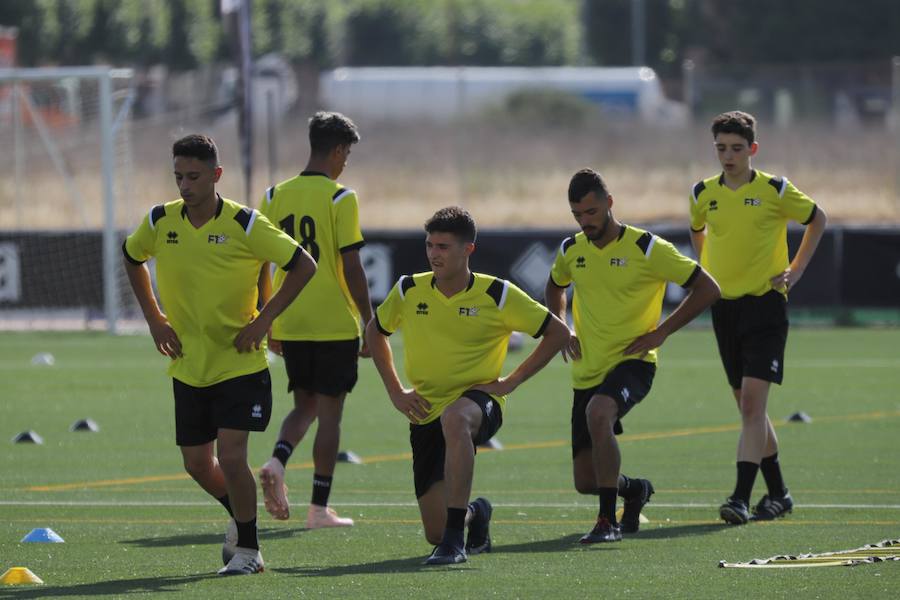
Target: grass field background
[[135, 525]]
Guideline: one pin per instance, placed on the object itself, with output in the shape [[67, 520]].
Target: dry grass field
[[507, 175]]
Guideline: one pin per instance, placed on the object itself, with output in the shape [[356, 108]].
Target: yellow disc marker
[[19, 575]]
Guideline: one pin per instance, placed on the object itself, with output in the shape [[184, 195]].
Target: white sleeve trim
[[503, 294], [253, 215], [784, 184], [400, 286], [270, 193], [650, 246], [342, 195], [150, 220]]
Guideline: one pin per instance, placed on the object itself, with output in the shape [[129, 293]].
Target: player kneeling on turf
[[456, 326], [620, 274]]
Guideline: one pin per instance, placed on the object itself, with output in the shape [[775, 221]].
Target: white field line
[[572, 505]]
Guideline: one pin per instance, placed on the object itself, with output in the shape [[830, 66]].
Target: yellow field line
[[407, 455]]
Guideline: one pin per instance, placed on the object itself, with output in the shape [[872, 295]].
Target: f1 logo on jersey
[[618, 262], [468, 312], [421, 308], [173, 237], [217, 238], [752, 201]]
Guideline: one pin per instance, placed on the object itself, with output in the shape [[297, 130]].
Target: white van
[[444, 93]]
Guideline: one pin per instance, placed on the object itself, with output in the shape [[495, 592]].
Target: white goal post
[[53, 121]]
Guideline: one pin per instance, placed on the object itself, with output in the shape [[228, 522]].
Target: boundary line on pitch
[[408, 455]]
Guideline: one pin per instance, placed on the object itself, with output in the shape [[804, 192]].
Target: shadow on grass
[[566, 543], [414, 564], [120, 587], [678, 531], [199, 539], [397, 565]]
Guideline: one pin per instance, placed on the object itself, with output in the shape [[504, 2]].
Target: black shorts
[[428, 445], [628, 383], [328, 368], [751, 332], [243, 403]]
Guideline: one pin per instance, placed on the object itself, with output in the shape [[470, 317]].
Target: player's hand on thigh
[[499, 387], [572, 349], [413, 406]]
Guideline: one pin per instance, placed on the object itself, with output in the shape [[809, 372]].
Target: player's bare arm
[[164, 337], [355, 276], [702, 293], [251, 336], [697, 239], [264, 289], [556, 336], [555, 299], [788, 278], [413, 406]]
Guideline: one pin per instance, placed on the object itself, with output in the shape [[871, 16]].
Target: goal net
[[65, 169]]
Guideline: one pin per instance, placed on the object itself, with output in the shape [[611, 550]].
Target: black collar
[[312, 173], [468, 287], [219, 205], [752, 177]]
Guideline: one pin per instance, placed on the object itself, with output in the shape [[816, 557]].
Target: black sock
[[456, 523], [628, 487], [224, 501], [247, 534], [771, 471], [746, 475], [608, 504], [283, 450], [321, 489]]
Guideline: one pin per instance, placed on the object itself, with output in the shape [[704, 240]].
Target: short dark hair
[[736, 121], [584, 182], [455, 220], [328, 130], [201, 147]]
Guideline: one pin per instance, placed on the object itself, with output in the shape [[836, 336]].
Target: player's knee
[[232, 459], [601, 414], [198, 468], [585, 486], [454, 423], [752, 411]]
